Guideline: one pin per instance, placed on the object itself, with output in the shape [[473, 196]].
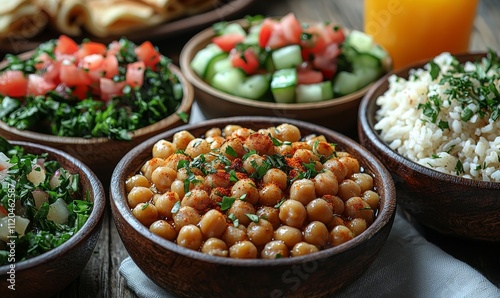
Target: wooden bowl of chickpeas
[[252, 206]]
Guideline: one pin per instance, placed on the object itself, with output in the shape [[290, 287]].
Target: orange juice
[[412, 30]]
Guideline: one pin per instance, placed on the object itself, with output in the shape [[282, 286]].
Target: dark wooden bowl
[[102, 154], [49, 273], [339, 114], [448, 204], [190, 273]]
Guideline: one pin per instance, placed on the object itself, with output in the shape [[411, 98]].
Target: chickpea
[[213, 224], [234, 234], [303, 191], [229, 129], [232, 148], [270, 214], [136, 180], [325, 183], [146, 213], [173, 160], [213, 132], [151, 165], [243, 250], [242, 133], [252, 163], [316, 233], [165, 202], [293, 213], [302, 249], [215, 247], [240, 209], [287, 132], [182, 138], [245, 188], [260, 232], [355, 207], [163, 149], [322, 148], [364, 180], [185, 216], [274, 250], [139, 194], [337, 168], [289, 235], [162, 177], [348, 189], [372, 198], [357, 226], [340, 234], [270, 195], [305, 156], [178, 187], [218, 179], [215, 142], [338, 205], [260, 143], [277, 177], [163, 229], [352, 165], [190, 237], [197, 147], [336, 221], [198, 199], [319, 210]]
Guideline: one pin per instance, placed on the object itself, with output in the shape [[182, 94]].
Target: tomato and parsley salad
[[286, 61], [88, 89], [41, 204]]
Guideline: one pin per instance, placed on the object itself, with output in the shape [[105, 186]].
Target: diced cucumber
[[252, 37], [314, 92], [226, 80], [360, 41], [365, 61], [287, 57], [203, 57], [233, 28], [283, 85], [378, 52], [345, 83], [218, 63], [268, 63], [254, 87], [366, 75]]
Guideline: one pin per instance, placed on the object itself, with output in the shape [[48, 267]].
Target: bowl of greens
[[92, 100], [51, 209]]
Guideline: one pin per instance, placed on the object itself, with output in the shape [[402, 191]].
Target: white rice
[[474, 144]]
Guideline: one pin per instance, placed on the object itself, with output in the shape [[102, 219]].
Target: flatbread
[[21, 21]]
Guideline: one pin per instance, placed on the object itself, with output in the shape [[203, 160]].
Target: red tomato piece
[[65, 45], [3, 210], [113, 48], [135, 74], [247, 61], [91, 62], [81, 91], [110, 88], [266, 29], [51, 72], [333, 33], [147, 53], [277, 39], [91, 47], [326, 62], [314, 44], [13, 83], [110, 67], [37, 85], [308, 76], [72, 75], [228, 41], [292, 29], [43, 60]]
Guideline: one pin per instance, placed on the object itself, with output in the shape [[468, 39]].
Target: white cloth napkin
[[407, 266]]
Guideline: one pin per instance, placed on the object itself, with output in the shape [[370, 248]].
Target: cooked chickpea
[[337, 168], [213, 224], [271, 214], [323, 148], [162, 177], [348, 189], [277, 177], [151, 165], [173, 160], [139, 194], [303, 248], [165, 202], [229, 129], [338, 205], [252, 163], [215, 247], [260, 232], [197, 147], [357, 226], [243, 250], [287, 132], [303, 191], [136, 180], [163, 229], [336, 221], [233, 148], [274, 250], [242, 133], [198, 199], [316, 233], [355, 207], [372, 198], [352, 165], [234, 234], [215, 142], [185, 216], [364, 181], [245, 188], [289, 235], [319, 210], [305, 156], [163, 149], [190, 237], [325, 183], [178, 187], [213, 132], [293, 213], [182, 138], [270, 195], [240, 209], [146, 213], [218, 179], [260, 143], [340, 234]]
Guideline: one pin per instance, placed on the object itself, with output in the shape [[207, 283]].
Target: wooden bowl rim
[[122, 171], [202, 38], [366, 126], [92, 223], [185, 106]]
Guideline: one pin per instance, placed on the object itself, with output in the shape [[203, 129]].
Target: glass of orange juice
[[412, 30]]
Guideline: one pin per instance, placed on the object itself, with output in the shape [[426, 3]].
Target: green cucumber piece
[[360, 41], [367, 75], [364, 60], [287, 57], [218, 63], [203, 57], [226, 80], [233, 28], [283, 85], [314, 92], [254, 87], [345, 83]]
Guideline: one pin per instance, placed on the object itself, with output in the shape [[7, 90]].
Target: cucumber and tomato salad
[[287, 61]]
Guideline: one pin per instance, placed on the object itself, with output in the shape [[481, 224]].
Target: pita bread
[[71, 16], [23, 21]]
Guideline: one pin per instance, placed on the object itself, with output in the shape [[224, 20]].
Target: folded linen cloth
[[407, 266]]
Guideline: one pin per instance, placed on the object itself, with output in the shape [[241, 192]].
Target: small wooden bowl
[[339, 113], [49, 273], [448, 204], [194, 274], [102, 154]]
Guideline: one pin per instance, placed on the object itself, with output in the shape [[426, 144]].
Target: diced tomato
[[91, 62], [326, 62], [110, 88], [65, 45], [228, 41], [113, 48], [277, 38], [51, 72], [147, 53], [91, 47], [135, 74], [333, 33], [292, 29], [13, 83], [266, 29], [3, 211], [37, 85], [247, 61], [308, 76], [72, 75], [81, 91], [110, 67], [43, 60], [314, 44]]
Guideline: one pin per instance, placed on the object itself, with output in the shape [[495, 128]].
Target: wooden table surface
[[101, 277]]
